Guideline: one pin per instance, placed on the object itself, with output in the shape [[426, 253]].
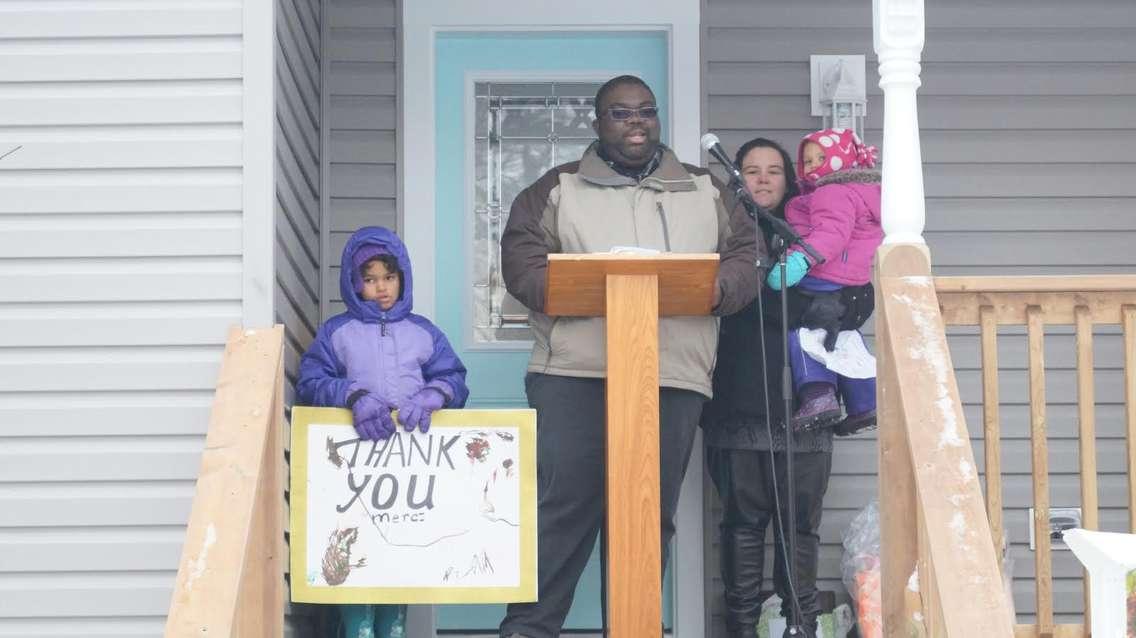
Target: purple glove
[[372, 416], [417, 409]]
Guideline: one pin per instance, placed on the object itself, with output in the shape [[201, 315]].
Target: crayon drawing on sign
[[453, 508]]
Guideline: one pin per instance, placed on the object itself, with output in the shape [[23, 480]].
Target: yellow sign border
[[524, 420]]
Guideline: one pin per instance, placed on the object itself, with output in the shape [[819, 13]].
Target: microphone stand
[[784, 236]]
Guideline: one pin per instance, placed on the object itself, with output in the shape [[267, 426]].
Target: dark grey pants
[[570, 486], [744, 480]]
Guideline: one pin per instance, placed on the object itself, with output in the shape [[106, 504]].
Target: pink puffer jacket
[[840, 219]]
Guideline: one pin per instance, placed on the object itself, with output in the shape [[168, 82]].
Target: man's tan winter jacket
[[587, 207]]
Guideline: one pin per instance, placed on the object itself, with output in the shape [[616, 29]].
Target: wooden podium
[[632, 291]]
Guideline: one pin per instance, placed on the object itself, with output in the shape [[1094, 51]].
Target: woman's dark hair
[[791, 189], [391, 264]]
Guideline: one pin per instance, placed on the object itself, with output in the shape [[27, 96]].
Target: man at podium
[[628, 190]]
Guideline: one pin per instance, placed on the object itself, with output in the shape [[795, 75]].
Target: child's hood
[[842, 150], [378, 240]]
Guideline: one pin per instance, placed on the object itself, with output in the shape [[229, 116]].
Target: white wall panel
[[123, 253]]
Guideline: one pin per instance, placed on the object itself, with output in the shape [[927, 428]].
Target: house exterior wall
[[298, 142], [362, 86], [1026, 119], [298, 186], [135, 228]]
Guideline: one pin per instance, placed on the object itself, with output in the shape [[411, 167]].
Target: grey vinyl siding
[[120, 273], [362, 156], [298, 117], [1027, 121], [297, 215]]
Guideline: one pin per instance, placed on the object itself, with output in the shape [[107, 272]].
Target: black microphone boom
[[712, 145]]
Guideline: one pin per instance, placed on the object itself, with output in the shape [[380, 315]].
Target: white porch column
[[1111, 561], [897, 34]]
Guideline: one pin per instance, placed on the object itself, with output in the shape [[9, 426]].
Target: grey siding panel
[[349, 213], [955, 112], [1026, 125], [298, 178], [363, 113], [121, 240], [1004, 45], [939, 78], [370, 14], [354, 44], [363, 154], [298, 121]]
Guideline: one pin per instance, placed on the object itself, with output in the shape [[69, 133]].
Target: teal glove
[[796, 267]]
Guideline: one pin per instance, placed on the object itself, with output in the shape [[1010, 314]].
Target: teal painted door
[[466, 63]]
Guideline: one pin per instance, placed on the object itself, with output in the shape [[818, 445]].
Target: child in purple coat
[[377, 357], [838, 214]]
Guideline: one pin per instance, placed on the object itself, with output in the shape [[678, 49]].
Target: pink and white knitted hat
[[842, 149]]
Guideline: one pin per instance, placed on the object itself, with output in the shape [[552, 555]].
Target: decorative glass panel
[[522, 130]]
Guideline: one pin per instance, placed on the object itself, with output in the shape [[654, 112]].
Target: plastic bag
[[860, 569], [835, 624]]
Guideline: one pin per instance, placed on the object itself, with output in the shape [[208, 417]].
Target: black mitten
[[831, 332], [859, 302], [825, 311]]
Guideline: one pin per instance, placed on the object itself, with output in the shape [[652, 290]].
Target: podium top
[[577, 283]]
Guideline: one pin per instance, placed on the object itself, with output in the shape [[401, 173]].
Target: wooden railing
[[940, 573], [1037, 302], [230, 579]]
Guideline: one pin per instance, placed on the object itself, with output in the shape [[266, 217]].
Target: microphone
[[711, 144]]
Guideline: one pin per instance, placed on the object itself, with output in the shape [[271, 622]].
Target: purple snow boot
[[855, 424], [860, 402], [817, 407]]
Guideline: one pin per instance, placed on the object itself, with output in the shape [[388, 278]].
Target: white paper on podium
[[633, 250], [850, 358]]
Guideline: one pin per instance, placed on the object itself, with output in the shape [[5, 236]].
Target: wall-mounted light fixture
[[839, 93]]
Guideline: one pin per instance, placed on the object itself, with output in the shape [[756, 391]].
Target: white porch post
[[897, 34], [1111, 560]]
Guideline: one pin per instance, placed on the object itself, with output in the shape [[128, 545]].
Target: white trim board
[[258, 199], [421, 21]]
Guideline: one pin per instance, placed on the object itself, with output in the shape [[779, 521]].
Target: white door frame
[[680, 19]]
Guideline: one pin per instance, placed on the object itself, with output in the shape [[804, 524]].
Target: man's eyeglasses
[[621, 113]]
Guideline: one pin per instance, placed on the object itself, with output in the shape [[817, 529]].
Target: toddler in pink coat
[[838, 215]]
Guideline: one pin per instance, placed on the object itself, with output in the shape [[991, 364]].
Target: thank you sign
[[448, 516]]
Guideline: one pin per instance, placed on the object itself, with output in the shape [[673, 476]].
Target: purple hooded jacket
[[393, 354], [840, 218]]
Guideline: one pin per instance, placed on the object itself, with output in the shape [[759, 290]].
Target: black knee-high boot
[[743, 557]]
